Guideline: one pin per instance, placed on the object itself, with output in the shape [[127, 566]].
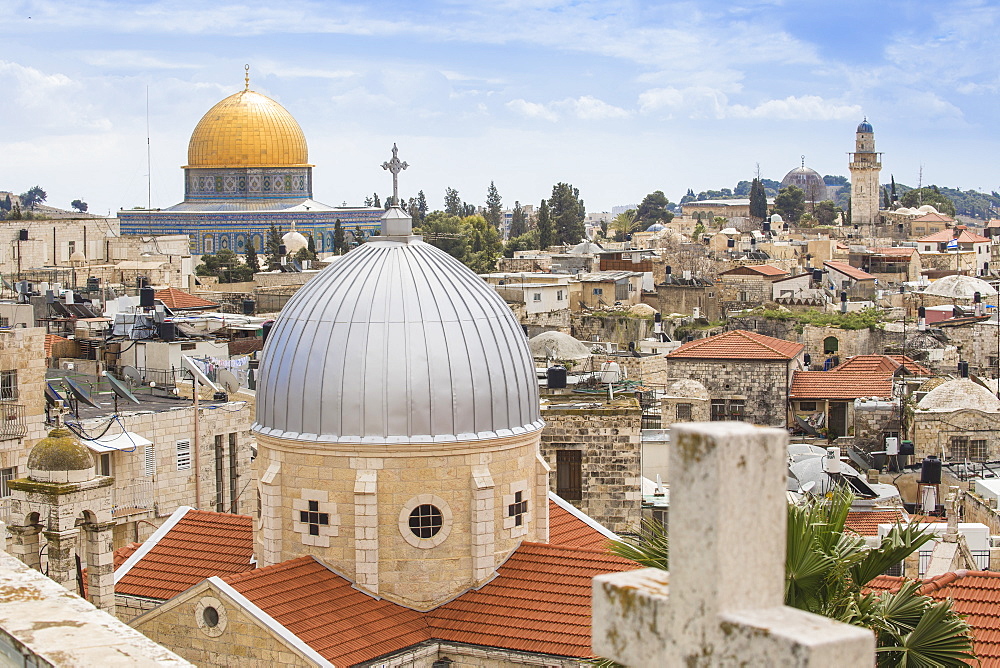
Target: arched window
[[831, 345]]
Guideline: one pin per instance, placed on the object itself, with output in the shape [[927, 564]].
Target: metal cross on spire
[[395, 166], [246, 78]]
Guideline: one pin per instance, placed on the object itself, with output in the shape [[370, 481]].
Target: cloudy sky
[[617, 98]]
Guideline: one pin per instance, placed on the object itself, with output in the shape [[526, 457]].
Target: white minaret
[[865, 166]]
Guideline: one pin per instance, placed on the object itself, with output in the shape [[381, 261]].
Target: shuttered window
[[569, 474], [183, 455], [148, 460]]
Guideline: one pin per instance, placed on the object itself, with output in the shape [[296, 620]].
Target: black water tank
[[147, 297], [807, 359], [906, 448], [248, 306], [731, 243], [23, 235], [141, 282], [930, 471], [167, 331], [282, 251], [266, 329], [818, 275], [555, 377], [921, 313]]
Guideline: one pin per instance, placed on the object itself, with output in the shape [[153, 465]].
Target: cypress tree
[[253, 262], [545, 236]]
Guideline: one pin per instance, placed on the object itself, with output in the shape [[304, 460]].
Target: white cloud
[[52, 101], [702, 101], [805, 108], [532, 110], [589, 108]]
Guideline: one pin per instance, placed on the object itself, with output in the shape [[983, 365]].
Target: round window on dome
[[426, 521]]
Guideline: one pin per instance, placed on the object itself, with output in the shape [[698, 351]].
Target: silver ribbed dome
[[397, 342]]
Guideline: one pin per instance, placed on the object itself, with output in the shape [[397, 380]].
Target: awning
[[125, 440]]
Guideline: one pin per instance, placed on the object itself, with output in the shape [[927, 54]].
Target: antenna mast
[[149, 168]]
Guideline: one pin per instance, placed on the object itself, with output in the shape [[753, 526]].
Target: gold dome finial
[[246, 78]]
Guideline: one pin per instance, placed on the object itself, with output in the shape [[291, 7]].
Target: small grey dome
[[808, 181], [957, 286], [294, 242], [398, 342], [558, 346], [959, 394]]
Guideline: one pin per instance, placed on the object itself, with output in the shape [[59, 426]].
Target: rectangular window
[[958, 447], [978, 450], [105, 468], [6, 475], [728, 409], [71, 247], [569, 474], [183, 455], [807, 405], [536, 297], [598, 291], [8, 385], [148, 460], [683, 412], [4, 321], [718, 410], [559, 296], [188, 346], [220, 492], [233, 474]]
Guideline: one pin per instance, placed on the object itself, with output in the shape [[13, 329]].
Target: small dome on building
[[247, 130], [294, 241], [586, 248], [960, 287], [926, 208], [808, 181], [687, 388], [865, 126], [931, 383], [775, 218], [655, 227], [78, 258], [959, 394], [60, 457], [557, 346]]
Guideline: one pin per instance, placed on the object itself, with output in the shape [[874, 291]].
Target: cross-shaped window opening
[[314, 518], [518, 508]]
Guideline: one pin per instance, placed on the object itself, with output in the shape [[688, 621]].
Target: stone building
[[959, 250], [685, 400], [865, 166], [688, 294], [747, 287], [958, 420], [747, 375], [595, 454]]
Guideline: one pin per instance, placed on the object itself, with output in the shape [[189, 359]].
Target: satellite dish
[[199, 376], [119, 389], [7, 284], [806, 488], [80, 394], [229, 381], [132, 375]]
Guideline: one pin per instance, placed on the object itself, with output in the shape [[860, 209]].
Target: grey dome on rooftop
[[397, 342], [808, 181]]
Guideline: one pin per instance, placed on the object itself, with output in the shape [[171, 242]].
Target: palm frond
[[651, 548]]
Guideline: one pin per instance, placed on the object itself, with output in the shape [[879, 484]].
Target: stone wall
[[685, 298], [978, 344], [608, 437], [648, 368], [22, 350], [237, 640], [617, 328], [763, 385], [742, 292], [932, 432], [871, 420]]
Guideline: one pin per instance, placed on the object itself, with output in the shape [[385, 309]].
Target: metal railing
[[132, 499], [12, 423], [981, 557]]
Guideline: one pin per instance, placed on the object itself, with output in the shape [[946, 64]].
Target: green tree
[[624, 223], [568, 213], [375, 201], [826, 212], [546, 236], [273, 246], [653, 209], [253, 262], [15, 212], [518, 222], [5, 204], [689, 196], [494, 211], [226, 265], [484, 247], [311, 246], [930, 195], [359, 235], [758, 201], [826, 572], [33, 197], [790, 203], [523, 242], [421, 206], [339, 242], [79, 205], [892, 191], [699, 230], [453, 204], [445, 231]]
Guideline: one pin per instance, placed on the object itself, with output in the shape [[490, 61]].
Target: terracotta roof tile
[[201, 544], [539, 602], [964, 237], [566, 530], [50, 340], [738, 344], [933, 218], [123, 553], [975, 594], [911, 366], [839, 385], [175, 299], [762, 269], [865, 523], [848, 270]]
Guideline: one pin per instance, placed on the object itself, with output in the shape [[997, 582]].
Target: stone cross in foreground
[[721, 604]]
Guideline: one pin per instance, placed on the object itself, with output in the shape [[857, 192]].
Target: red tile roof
[[871, 364], [50, 340], [912, 366], [567, 530], [865, 522], [199, 545], [175, 299], [838, 385], [738, 344], [762, 269], [539, 602], [122, 554], [326, 612], [933, 218], [964, 237], [848, 270], [976, 596], [896, 250]]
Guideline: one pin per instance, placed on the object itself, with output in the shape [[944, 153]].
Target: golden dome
[[247, 130]]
